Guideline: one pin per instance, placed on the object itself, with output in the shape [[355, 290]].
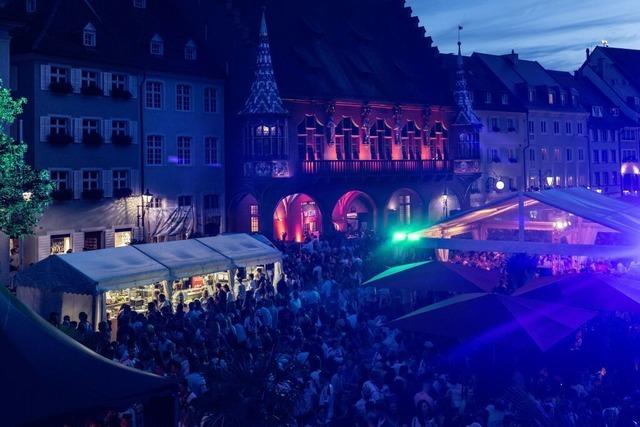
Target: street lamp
[[147, 197], [549, 181], [445, 203], [500, 185]]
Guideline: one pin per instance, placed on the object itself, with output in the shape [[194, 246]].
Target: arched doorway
[[354, 211], [404, 208], [296, 217], [245, 214]]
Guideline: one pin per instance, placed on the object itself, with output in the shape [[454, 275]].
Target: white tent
[[243, 249], [186, 258]]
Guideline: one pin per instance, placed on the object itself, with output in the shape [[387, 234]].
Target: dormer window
[[551, 97], [89, 35], [31, 6], [563, 98], [505, 99], [190, 53], [615, 112], [487, 98], [532, 95], [596, 111], [157, 45], [140, 4]]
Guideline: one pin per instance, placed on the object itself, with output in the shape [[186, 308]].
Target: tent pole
[[520, 216]]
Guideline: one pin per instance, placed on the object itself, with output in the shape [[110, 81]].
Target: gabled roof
[[603, 210], [123, 34], [627, 61]]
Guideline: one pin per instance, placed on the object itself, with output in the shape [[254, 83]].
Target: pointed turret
[[264, 98], [466, 114]]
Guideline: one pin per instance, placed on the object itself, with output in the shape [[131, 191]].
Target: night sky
[[554, 32]]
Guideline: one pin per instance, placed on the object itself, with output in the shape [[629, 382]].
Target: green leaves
[[24, 193]]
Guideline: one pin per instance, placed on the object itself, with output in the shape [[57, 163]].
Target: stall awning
[[94, 272], [243, 249], [186, 258]]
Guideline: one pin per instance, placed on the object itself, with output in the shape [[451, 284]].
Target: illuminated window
[[156, 47], [438, 137], [184, 150], [381, 135], [411, 141], [60, 244], [210, 100], [532, 95], [551, 98], [183, 97], [255, 218], [347, 140], [89, 35], [266, 140], [190, 52], [404, 209], [122, 237], [311, 139]]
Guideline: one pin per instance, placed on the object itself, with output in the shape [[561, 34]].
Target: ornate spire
[[466, 114], [264, 97]]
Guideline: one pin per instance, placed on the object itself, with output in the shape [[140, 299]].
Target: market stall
[[100, 282]]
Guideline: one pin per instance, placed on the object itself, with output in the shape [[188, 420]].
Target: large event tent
[[45, 373], [75, 282], [571, 221]]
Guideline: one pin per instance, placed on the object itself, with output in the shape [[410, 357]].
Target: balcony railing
[[373, 167]]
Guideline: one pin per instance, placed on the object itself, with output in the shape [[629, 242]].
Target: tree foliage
[[24, 193]]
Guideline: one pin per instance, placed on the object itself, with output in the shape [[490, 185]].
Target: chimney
[[513, 57], [588, 52]]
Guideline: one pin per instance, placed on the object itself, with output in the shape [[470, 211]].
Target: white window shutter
[[107, 182], [44, 247], [76, 79], [106, 130], [133, 131], [77, 130], [133, 86], [106, 84], [109, 238], [45, 76], [77, 242], [45, 128], [77, 184], [134, 181]]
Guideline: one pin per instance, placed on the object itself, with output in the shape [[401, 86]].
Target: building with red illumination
[[339, 120]]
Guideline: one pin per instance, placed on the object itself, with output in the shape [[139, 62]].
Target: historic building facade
[[303, 164], [112, 121]]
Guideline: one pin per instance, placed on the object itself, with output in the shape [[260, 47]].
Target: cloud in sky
[[553, 32]]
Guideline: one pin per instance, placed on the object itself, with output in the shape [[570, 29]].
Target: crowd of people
[[314, 350]]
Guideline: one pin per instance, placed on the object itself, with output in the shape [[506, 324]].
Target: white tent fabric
[[117, 268], [186, 258], [243, 249], [603, 210]]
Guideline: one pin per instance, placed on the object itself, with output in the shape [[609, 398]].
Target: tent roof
[[243, 249], [604, 210], [186, 258], [35, 353], [93, 272]]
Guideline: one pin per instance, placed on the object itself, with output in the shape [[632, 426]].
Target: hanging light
[[499, 185], [147, 197]]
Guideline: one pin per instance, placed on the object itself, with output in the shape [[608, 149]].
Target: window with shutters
[[59, 125], [119, 81], [411, 141], [311, 135], [211, 151], [154, 150], [118, 127], [90, 180], [60, 179], [122, 237], [153, 95], [60, 244], [210, 100], [184, 150], [89, 79], [59, 74], [183, 97], [120, 179], [347, 140]]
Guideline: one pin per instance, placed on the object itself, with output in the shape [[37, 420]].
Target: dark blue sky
[[554, 32]]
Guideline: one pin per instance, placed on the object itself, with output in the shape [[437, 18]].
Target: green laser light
[[399, 236]]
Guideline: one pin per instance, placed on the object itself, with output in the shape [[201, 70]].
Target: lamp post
[[146, 198], [549, 181], [445, 203]]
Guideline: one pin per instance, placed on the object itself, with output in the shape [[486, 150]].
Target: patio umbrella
[[488, 318], [436, 276], [594, 291]]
